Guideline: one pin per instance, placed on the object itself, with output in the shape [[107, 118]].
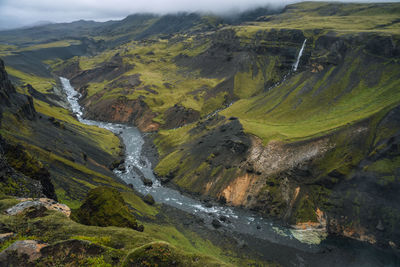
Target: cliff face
[[21, 174], [121, 110], [21, 105]]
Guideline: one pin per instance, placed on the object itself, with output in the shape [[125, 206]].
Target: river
[[304, 245]]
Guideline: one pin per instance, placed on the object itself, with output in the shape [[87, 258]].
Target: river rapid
[[290, 247]]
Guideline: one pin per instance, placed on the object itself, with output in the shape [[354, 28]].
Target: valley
[[278, 141]]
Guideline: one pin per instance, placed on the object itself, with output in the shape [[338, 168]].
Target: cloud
[[24, 12]]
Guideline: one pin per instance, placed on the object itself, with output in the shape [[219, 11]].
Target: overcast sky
[[16, 13]]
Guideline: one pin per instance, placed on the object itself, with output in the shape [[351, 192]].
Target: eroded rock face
[[122, 110], [273, 160]]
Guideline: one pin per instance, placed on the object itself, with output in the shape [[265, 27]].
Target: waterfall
[[295, 65]]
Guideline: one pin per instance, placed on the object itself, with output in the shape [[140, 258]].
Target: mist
[[19, 13]]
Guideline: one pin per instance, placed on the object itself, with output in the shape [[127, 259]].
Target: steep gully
[[244, 223]]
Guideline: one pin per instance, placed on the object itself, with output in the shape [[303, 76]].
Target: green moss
[[97, 261], [100, 240], [168, 163], [385, 165], [164, 254], [39, 83], [7, 203], [64, 198], [104, 206], [170, 139], [104, 139], [247, 85], [140, 207], [305, 211], [21, 160]]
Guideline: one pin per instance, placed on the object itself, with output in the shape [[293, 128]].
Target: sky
[[17, 13]]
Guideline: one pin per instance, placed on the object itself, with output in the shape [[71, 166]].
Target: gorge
[[269, 138]]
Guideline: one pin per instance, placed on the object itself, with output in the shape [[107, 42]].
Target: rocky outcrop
[[122, 110], [129, 82], [15, 183], [22, 161], [27, 203], [108, 70], [178, 116], [32, 252], [270, 176], [18, 104], [21, 253], [69, 69]]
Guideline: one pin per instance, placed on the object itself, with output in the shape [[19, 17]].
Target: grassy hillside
[[342, 18]]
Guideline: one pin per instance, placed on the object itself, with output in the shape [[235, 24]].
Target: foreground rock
[[21, 253], [47, 203]]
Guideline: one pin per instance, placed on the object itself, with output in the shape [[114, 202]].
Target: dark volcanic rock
[[18, 104], [227, 143], [131, 82], [149, 199], [216, 223], [25, 163], [147, 182], [108, 70], [178, 116]]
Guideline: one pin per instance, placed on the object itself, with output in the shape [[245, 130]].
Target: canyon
[[258, 126]]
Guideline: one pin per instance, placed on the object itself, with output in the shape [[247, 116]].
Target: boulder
[[216, 223], [20, 253], [149, 199], [147, 182], [35, 205]]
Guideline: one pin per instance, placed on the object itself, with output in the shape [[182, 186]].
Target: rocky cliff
[[21, 174]]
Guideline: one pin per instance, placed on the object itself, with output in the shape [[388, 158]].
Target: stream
[[303, 245]]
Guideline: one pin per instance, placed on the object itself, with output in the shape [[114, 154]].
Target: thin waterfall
[[295, 65]]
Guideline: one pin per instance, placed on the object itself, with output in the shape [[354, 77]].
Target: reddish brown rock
[[122, 110]]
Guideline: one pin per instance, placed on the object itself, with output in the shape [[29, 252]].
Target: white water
[[296, 64]]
